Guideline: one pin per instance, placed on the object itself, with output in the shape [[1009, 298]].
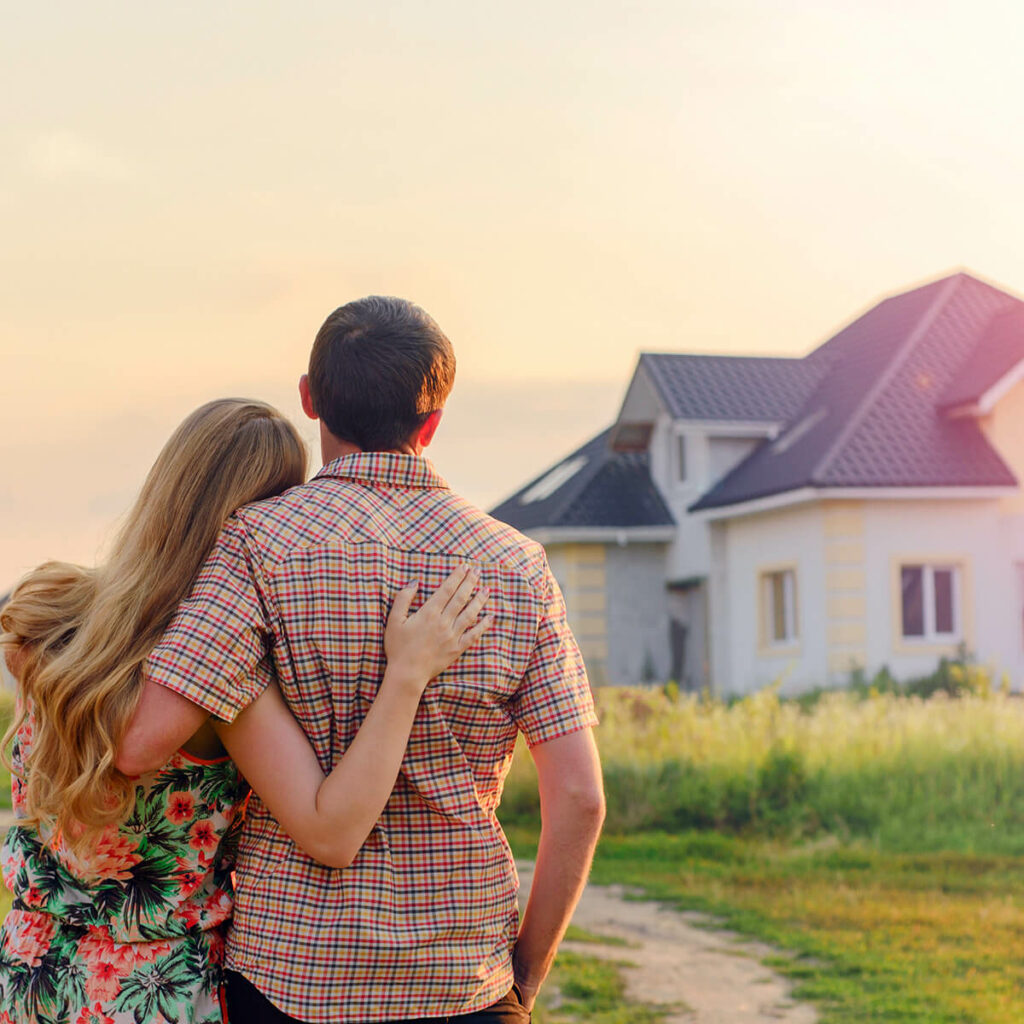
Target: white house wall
[[690, 553], [746, 547], [638, 614], [986, 545]]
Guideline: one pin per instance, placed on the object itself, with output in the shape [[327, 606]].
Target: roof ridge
[[721, 355], [928, 318]]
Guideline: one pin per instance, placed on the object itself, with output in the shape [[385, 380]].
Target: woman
[[122, 887]]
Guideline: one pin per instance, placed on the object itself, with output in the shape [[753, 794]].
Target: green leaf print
[[159, 987], [150, 889]]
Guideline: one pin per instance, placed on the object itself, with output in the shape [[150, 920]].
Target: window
[[779, 605], [929, 603], [551, 482], [681, 457]]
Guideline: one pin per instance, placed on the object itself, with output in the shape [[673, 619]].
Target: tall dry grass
[[942, 772]]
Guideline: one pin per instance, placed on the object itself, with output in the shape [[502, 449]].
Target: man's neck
[[332, 447]]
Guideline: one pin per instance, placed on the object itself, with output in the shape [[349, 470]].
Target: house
[[747, 520]]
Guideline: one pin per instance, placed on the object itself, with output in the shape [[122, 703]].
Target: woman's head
[[81, 637], [226, 454]]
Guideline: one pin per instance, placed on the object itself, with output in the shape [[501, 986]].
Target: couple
[[368, 876]]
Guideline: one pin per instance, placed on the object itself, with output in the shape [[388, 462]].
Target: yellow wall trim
[[843, 519], [847, 633], [847, 660], [847, 606], [586, 554], [845, 579], [844, 553]]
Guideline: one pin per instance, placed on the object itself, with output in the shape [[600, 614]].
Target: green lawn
[[867, 936]]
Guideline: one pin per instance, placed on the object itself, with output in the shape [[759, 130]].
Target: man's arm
[[572, 812], [163, 721], [208, 661]]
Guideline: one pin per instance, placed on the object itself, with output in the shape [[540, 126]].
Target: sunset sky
[[187, 190]]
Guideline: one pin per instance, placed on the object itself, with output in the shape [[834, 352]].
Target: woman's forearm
[[352, 797], [328, 817]]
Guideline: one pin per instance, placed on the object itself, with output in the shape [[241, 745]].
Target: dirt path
[[707, 975]]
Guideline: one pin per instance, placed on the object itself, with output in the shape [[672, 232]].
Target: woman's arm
[[331, 817]]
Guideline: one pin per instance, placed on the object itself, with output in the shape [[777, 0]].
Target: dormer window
[[550, 483]]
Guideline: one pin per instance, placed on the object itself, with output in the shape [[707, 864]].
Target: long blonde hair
[[78, 637]]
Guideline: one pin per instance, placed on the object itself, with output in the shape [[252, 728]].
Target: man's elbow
[[592, 807], [582, 804]]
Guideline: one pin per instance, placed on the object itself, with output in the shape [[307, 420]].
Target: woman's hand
[[422, 645]]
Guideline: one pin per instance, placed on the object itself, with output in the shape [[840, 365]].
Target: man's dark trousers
[[247, 1005]]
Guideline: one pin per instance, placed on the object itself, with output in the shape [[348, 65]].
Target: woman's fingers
[[403, 602], [461, 595], [469, 613], [471, 636], [441, 597]]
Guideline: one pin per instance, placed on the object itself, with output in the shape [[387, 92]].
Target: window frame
[[766, 601], [930, 635]]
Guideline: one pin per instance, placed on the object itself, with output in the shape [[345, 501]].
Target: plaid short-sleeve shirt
[[422, 923]]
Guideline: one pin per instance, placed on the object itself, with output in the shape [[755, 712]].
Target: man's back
[[423, 922]]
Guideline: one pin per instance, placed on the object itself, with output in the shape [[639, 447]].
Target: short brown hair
[[379, 367]]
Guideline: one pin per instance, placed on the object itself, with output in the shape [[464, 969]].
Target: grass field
[[920, 939], [876, 838]]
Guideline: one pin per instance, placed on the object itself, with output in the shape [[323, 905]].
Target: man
[[423, 925]]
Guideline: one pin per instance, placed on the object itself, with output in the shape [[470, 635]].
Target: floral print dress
[[139, 938]]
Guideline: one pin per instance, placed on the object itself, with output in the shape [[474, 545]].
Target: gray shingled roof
[[736, 388], [876, 418], [609, 490]]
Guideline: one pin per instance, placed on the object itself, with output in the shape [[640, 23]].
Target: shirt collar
[[388, 469]]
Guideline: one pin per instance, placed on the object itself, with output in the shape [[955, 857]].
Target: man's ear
[[306, 397], [429, 428]]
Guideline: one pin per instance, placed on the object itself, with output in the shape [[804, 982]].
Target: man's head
[[379, 373]]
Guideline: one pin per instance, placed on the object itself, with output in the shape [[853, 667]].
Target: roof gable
[[996, 357], [877, 409]]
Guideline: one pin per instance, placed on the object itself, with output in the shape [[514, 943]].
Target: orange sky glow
[[186, 192]]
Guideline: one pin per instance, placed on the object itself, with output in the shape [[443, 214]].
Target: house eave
[[602, 535], [805, 495], [732, 428]]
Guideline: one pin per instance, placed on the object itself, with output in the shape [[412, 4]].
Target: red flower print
[[217, 908], [28, 935], [12, 865], [34, 897], [147, 952], [189, 876], [180, 807], [94, 1016], [216, 949], [98, 947], [203, 836], [189, 913], [114, 856], [103, 982]]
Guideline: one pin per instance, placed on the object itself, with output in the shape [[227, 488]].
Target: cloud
[[64, 156]]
